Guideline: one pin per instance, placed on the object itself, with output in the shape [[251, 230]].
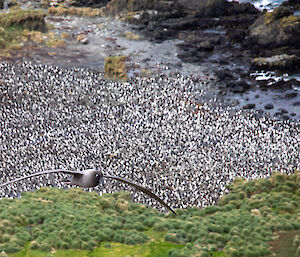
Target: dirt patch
[[282, 246]]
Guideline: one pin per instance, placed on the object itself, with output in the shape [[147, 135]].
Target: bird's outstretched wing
[[141, 188], [42, 173]]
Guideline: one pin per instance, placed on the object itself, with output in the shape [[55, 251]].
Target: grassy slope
[[13, 25], [246, 220]]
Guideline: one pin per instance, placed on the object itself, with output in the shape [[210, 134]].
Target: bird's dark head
[[99, 176]]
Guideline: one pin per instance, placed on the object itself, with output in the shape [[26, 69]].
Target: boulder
[[239, 86], [242, 8], [291, 95], [269, 106], [89, 3], [276, 29], [215, 8], [277, 62], [206, 8], [224, 74], [249, 106]]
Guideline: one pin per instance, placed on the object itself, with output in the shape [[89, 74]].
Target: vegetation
[[130, 35], [114, 67], [49, 39], [10, 40], [283, 15], [75, 11], [247, 222], [13, 25], [27, 19]]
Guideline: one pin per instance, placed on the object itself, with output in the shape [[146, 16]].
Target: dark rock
[[291, 95], [239, 86], [164, 34], [238, 89], [285, 117], [236, 35], [205, 8], [283, 110], [278, 114], [242, 8], [90, 3], [276, 29], [269, 106], [261, 34], [296, 103], [242, 21], [224, 74], [185, 23], [292, 4], [249, 106]]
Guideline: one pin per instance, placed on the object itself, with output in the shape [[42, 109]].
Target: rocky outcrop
[[220, 33], [89, 3], [276, 29], [278, 62]]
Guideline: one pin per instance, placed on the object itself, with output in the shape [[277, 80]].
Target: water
[[297, 13], [215, 31], [264, 4], [273, 76]]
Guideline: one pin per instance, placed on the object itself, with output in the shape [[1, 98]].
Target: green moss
[[291, 20], [276, 14]]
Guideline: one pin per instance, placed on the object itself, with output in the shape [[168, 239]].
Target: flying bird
[[92, 178]]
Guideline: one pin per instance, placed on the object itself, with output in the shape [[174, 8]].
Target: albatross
[[91, 178]]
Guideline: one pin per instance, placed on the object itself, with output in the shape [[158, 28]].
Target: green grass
[[78, 223], [10, 38], [12, 26], [218, 254], [152, 249]]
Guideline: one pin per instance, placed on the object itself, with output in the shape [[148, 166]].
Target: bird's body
[[91, 178]]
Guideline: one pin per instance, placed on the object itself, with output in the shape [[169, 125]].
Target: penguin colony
[[149, 130]]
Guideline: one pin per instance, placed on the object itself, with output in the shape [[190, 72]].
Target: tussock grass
[[75, 11], [13, 25], [243, 224], [114, 67]]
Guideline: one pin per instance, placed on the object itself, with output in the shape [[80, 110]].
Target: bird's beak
[[101, 180]]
